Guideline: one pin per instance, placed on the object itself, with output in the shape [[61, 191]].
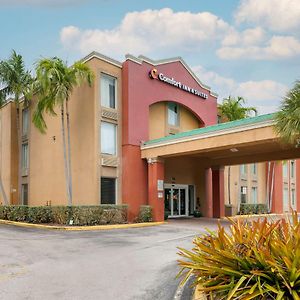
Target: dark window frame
[[108, 190]]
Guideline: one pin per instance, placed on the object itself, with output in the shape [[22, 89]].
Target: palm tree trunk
[[2, 190], [229, 198], [19, 142], [65, 153], [69, 152]]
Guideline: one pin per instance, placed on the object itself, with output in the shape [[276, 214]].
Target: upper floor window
[[25, 156], [285, 169], [25, 121], [108, 91], [108, 138], [254, 169], [292, 169], [173, 114], [243, 169]]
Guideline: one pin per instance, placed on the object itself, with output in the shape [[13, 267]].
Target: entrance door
[[176, 200]]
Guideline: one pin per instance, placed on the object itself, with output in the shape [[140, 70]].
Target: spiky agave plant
[[252, 260]]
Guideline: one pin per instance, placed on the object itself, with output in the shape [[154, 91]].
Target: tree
[[17, 83], [232, 109], [287, 120], [55, 82]]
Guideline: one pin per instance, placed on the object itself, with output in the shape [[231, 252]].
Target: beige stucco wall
[[188, 121], [249, 180], [46, 171], [158, 121], [8, 152], [5, 150]]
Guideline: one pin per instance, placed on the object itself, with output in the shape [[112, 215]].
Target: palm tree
[[232, 109], [17, 83], [54, 84], [287, 120]]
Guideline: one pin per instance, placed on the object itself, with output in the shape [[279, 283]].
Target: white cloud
[[278, 47], [265, 95], [278, 15], [251, 36], [41, 2], [149, 31]]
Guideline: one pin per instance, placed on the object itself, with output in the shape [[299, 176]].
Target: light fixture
[[234, 150]]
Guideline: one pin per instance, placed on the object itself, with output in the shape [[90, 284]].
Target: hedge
[[145, 214], [78, 215], [249, 209]]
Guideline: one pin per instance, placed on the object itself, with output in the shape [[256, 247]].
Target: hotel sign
[[153, 74]]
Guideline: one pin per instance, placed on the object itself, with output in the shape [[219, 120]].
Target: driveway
[[138, 263]]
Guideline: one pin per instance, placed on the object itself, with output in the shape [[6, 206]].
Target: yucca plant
[[249, 260]]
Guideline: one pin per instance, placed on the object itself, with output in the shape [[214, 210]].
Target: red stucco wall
[[138, 93]]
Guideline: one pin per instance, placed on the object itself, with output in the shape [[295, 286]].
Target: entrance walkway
[[198, 224]]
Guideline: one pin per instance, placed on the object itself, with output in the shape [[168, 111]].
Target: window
[[108, 138], [254, 169], [293, 198], [25, 123], [285, 199], [243, 194], [173, 114], [243, 169], [108, 190], [108, 91], [285, 169], [254, 195], [292, 169], [24, 194], [25, 156]]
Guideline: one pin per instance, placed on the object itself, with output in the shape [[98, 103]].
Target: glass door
[[176, 200]]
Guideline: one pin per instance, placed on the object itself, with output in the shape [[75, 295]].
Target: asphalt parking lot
[[137, 263]]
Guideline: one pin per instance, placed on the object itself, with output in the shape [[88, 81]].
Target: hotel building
[[132, 108]]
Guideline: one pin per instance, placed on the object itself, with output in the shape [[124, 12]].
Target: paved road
[[123, 264]]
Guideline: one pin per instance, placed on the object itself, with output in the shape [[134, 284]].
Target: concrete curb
[[81, 228]]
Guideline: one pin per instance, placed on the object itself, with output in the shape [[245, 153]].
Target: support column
[[156, 170], [218, 192], [208, 194]]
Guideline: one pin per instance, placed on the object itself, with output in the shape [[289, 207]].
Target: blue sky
[[249, 48]]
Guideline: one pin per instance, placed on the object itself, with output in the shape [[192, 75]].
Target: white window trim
[[116, 90], [116, 139]]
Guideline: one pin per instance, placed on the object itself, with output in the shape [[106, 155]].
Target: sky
[[248, 48]]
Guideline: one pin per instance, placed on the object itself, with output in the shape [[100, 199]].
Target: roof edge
[[103, 57], [211, 129]]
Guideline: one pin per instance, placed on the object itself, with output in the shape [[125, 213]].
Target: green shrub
[[197, 214], [15, 213], [60, 214], [166, 216], [39, 214], [145, 214], [250, 209], [252, 260], [80, 215]]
